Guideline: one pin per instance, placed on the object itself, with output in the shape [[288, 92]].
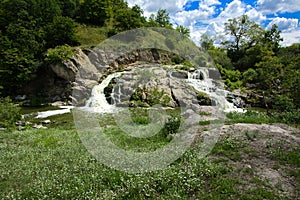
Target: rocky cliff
[[76, 77]]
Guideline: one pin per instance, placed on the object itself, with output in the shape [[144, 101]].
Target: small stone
[[20, 123], [58, 103], [39, 126], [248, 166], [47, 121]]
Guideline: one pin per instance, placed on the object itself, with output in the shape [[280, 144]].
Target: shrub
[[177, 59], [249, 117], [283, 103], [59, 53], [172, 125], [250, 75], [9, 113]]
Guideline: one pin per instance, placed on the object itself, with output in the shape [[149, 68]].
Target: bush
[[290, 117], [59, 53], [283, 103], [177, 59], [250, 75], [172, 125], [9, 113]]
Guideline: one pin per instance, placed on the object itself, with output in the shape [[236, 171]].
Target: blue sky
[[209, 16]]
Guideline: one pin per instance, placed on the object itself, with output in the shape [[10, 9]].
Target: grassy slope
[[90, 36], [54, 164]]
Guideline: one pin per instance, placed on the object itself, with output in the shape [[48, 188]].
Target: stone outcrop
[[89, 67]]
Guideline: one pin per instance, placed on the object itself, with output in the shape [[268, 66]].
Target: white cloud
[[255, 15], [284, 24], [201, 20], [234, 9], [290, 37], [152, 6], [205, 11], [281, 6]]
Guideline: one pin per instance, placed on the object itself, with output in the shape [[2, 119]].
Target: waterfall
[[116, 95], [200, 80], [97, 102]]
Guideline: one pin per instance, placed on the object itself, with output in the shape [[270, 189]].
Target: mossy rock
[[203, 99]]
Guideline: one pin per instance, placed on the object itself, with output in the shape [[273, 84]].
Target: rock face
[[74, 78], [147, 85]]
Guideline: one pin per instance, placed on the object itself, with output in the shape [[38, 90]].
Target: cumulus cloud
[[290, 37], [234, 9], [255, 15], [190, 17], [281, 6], [203, 19], [284, 24], [152, 6]]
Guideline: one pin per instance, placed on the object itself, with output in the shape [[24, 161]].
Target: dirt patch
[[261, 155]]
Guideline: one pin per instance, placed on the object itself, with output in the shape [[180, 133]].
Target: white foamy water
[[97, 102], [199, 79], [49, 113], [201, 82]]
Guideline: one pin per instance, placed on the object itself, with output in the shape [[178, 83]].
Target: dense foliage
[[28, 28], [254, 61]]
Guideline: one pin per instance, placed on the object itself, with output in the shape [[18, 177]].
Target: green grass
[[249, 117], [258, 117], [90, 36], [54, 164], [229, 147], [291, 157]]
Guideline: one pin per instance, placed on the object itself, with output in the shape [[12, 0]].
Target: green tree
[[61, 31], [184, 31], [129, 18], [244, 33], [163, 19], [151, 21], [220, 57], [206, 41], [70, 8], [272, 38], [95, 11]]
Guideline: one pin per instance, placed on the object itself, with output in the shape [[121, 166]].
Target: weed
[[291, 157], [250, 136]]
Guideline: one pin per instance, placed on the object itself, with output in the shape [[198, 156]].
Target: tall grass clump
[[9, 113]]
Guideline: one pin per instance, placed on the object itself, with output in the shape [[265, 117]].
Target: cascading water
[[200, 80], [97, 102]]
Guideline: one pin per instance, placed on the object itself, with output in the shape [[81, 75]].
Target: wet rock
[[20, 97], [180, 74]]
